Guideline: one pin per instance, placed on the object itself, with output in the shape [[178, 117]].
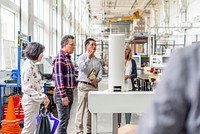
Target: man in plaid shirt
[[64, 78]]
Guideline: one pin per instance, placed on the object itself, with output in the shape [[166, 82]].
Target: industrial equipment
[[45, 67], [137, 59], [135, 15], [4, 75], [23, 41], [158, 61], [14, 82]]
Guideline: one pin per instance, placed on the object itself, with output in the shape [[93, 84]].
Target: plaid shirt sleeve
[[59, 66]]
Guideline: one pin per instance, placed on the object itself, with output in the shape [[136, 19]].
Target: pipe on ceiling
[[148, 3], [133, 4], [181, 4], [115, 4], [153, 11], [165, 5], [183, 11], [165, 11]]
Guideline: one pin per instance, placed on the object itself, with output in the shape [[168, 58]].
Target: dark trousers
[[63, 111], [127, 118]]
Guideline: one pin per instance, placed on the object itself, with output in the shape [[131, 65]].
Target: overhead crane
[[135, 15]]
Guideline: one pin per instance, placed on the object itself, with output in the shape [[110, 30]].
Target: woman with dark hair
[[32, 87]]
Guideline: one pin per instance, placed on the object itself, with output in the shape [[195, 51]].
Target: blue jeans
[[63, 111]]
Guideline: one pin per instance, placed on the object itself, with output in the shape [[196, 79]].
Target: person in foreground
[[32, 87], [175, 108], [87, 64], [64, 78]]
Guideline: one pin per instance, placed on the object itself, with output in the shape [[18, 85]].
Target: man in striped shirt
[[64, 78]]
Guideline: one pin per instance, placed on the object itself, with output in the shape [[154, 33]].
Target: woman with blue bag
[[32, 86], [46, 122]]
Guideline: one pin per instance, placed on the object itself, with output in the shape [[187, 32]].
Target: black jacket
[[134, 73]]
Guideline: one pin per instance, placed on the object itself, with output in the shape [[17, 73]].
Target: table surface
[[118, 102]]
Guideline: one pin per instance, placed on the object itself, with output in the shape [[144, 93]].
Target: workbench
[[116, 102], [143, 81]]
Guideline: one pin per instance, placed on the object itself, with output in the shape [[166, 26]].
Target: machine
[[135, 15], [158, 61], [45, 67]]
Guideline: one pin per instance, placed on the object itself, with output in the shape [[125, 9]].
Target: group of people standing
[[64, 77], [65, 83]]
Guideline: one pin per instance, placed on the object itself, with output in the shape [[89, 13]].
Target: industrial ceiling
[[103, 10]]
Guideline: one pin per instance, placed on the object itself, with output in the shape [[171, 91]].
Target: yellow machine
[[136, 15]]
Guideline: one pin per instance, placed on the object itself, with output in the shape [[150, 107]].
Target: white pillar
[[116, 61]]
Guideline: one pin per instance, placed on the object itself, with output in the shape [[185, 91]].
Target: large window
[[16, 1], [46, 21], [39, 9], [67, 17], [8, 24], [38, 32], [54, 28], [9, 47], [38, 21]]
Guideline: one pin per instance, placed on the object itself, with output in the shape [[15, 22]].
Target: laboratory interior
[[151, 30]]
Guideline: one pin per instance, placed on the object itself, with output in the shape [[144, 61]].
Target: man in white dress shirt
[[86, 63]]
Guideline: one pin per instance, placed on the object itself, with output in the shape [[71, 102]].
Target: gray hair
[[33, 50], [65, 39]]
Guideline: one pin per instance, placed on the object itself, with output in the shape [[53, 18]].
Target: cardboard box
[[127, 129]]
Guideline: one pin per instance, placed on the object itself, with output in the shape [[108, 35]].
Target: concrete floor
[[104, 120]]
